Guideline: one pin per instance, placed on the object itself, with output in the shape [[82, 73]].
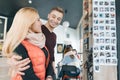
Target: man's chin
[[54, 26]]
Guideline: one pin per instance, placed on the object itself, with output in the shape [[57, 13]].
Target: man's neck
[[49, 27]]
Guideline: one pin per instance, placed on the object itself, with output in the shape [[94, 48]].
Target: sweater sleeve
[[29, 73]]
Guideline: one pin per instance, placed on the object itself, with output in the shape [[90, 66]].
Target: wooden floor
[[4, 69]]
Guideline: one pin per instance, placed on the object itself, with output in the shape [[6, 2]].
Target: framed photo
[[1, 44], [59, 48], [3, 26]]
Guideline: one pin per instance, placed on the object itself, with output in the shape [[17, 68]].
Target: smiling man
[[54, 19]]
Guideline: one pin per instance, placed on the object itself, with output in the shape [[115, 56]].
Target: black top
[[50, 41], [50, 44]]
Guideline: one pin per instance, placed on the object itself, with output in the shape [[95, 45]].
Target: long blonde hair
[[23, 20]]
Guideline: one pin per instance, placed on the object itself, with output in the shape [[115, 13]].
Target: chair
[[66, 76], [70, 72]]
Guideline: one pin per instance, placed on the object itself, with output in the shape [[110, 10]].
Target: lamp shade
[[66, 24]]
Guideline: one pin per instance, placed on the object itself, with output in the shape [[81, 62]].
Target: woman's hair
[[23, 20], [67, 49]]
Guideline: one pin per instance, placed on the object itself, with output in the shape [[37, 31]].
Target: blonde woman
[[26, 39]]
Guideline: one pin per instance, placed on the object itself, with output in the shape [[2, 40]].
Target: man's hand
[[49, 78], [53, 65], [17, 65]]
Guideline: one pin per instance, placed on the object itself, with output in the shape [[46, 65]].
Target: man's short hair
[[59, 9]]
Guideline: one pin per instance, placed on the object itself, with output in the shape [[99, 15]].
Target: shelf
[[87, 32]]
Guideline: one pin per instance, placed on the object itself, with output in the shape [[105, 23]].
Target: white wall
[[62, 38]]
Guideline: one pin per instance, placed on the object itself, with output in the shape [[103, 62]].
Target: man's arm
[[18, 65], [53, 65]]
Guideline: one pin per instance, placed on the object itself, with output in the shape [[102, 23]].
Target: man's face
[[54, 18]]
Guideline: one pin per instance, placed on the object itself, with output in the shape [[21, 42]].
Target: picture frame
[[60, 48], [3, 27], [1, 44], [3, 30]]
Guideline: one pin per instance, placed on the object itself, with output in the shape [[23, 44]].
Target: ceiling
[[72, 8]]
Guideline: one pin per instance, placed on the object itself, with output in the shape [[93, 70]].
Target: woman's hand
[[17, 65]]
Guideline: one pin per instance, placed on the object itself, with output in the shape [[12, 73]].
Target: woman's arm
[[28, 73], [18, 65]]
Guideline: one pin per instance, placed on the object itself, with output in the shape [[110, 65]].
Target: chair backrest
[[66, 77], [72, 71]]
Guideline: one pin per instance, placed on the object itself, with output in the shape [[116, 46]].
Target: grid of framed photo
[[104, 33]]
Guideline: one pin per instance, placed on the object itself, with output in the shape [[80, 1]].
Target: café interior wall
[[65, 36]]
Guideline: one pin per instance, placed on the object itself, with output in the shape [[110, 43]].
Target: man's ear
[[48, 16]]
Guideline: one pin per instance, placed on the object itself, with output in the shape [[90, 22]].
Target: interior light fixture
[[30, 1], [66, 24]]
